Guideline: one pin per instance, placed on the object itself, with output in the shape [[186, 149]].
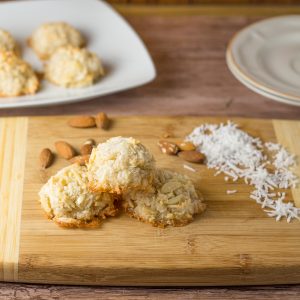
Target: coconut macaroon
[[50, 36], [8, 43], [172, 201], [65, 198], [73, 67], [120, 164], [16, 76]]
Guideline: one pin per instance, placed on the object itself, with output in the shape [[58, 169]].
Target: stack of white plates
[[265, 57]]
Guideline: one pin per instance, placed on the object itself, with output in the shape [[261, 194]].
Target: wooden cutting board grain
[[232, 243]]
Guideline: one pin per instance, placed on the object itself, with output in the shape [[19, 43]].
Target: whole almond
[[186, 146], [167, 147], [46, 158], [65, 150], [82, 122], [102, 121], [80, 159], [90, 141], [192, 156], [86, 149]]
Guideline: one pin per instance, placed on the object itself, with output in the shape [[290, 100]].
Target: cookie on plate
[[65, 198], [8, 43], [16, 76], [172, 201], [73, 67], [47, 38], [120, 164]]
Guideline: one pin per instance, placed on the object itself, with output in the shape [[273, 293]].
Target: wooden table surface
[[188, 47]]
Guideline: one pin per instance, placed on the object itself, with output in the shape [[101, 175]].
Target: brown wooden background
[[208, 2]]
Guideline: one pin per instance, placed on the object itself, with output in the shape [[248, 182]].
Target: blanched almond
[[80, 159], [46, 158], [65, 150], [102, 121], [167, 147], [192, 156], [82, 122]]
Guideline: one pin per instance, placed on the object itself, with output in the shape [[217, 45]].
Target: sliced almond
[[102, 121], [65, 150], [86, 149], [82, 122], [192, 156], [80, 159], [170, 187], [186, 146], [46, 158], [175, 200], [167, 147]]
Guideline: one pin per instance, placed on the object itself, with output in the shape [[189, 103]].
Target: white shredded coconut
[[230, 192], [189, 168], [226, 178], [235, 153]]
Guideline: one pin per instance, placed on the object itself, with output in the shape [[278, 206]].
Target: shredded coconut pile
[[235, 153]]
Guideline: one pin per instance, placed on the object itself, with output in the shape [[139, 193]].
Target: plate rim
[[256, 90], [74, 99], [244, 74]]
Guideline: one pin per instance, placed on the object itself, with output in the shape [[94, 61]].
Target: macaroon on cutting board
[[232, 243]]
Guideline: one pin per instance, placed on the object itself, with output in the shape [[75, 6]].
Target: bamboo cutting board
[[232, 243]]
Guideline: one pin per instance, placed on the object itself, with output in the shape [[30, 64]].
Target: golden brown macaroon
[[47, 38], [173, 201], [8, 43], [16, 76], [120, 164], [65, 198], [73, 67]]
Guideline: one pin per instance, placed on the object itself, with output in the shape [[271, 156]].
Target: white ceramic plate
[[267, 54], [255, 89], [125, 58]]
